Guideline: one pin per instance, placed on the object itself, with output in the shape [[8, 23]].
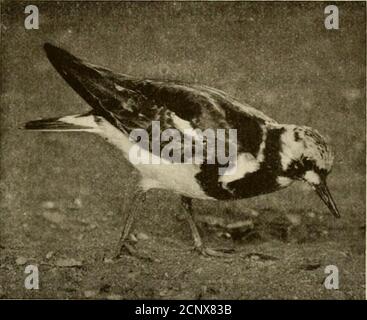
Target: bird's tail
[[67, 123]]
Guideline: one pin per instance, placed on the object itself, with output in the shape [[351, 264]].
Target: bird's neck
[[274, 144]]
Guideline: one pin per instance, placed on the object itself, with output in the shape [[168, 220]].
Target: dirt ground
[[64, 196]]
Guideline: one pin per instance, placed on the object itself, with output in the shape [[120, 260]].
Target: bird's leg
[[187, 204], [131, 209]]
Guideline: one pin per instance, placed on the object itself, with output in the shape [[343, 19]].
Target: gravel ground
[[63, 196]]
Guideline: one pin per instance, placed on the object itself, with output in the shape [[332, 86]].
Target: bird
[[270, 156]]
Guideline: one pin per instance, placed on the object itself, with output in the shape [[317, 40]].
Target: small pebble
[[142, 236], [255, 213], [48, 205], [92, 226], [240, 224], [49, 255], [294, 219], [68, 262], [163, 293], [133, 237], [251, 212], [108, 260], [78, 203], [199, 270], [21, 261], [255, 257], [132, 275], [225, 235], [90, 293], [311, 214]]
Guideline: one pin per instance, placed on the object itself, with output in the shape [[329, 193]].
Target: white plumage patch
[[284, 181], [181, 124], [246, 163], [312, 177], [291, 149], [119, 88], [89, 122]]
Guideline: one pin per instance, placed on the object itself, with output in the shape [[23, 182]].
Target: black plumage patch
[[263, 180], [208, 180], [252, 184], [249, 138], [296, 136], [52, 124], [185, 103], [297, 168], [249, 131]]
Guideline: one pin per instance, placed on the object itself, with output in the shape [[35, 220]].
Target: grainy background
[[278, 57]]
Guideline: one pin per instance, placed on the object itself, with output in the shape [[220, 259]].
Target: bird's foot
[[127, 248], [219, 252]]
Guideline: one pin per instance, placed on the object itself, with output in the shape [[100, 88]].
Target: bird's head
[[306, 156]]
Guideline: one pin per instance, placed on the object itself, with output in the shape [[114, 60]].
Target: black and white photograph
[[183, 150]]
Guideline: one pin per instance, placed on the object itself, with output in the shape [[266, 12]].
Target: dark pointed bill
[[325, 195]]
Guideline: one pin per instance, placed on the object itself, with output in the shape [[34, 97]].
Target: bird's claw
[[127, 249], [209, 252]]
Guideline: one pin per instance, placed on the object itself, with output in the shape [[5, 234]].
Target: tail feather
[[67, 123]]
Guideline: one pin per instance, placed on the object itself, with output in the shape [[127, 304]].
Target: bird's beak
[[323, 191]]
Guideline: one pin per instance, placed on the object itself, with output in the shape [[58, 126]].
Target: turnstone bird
[[269, 155]]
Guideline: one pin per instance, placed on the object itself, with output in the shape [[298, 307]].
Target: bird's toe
[[218, 252], [127, 249]]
